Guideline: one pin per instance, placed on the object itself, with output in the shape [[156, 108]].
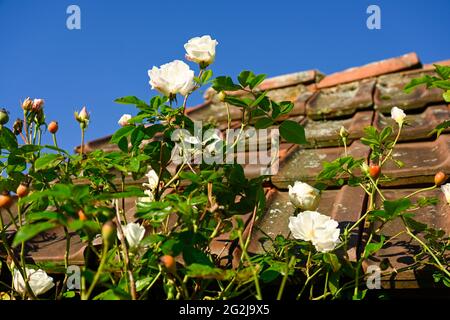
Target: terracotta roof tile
[[373, 69], [401, 250], [348, 99], [389, 92], [342, 100]]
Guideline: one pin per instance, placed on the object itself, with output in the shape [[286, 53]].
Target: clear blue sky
[[120, 40]]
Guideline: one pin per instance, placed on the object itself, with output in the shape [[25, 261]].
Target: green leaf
[[263, 123], [122, 132], [7, 139], [131, 100], [440, 127], [373, 247], [446, 96], [442, 71], [197, 270], [44, 215], [286, 107], [415, 225], [259, 99], [29, 231], [48, 161], [245, 77], [395, 208], [206, 76], [236, 101], [332, 260], [442, 84], [224, 83], [292, 132], [192, 255], [427, 80], [256, 81], [123, 144]]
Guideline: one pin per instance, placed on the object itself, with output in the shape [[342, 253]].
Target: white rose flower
[[38, 280], [201, 50], [446, 190], [398, 115], [303, 196], [172, 78], [321, 230], [134, 233], [123, 121], [152, 180], [150, 197]]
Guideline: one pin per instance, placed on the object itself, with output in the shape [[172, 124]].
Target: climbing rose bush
[[166, 250]]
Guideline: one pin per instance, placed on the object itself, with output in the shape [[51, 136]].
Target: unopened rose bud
[[53, 127], [365, 168], [343, 132], [108, 232], [38, 104], [222, 95], [123, 121], [4, 117], [5, 200], [27, 104], [82, 117], [169, 263], [18, 126], [439, 178], [22, 190]]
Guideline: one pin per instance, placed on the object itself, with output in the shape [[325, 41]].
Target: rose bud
[[374, 171], [439, 178], [4, 117], [27, 104], [82, 117], [343, 132], [22, 190], [82, 215], [108, 232], [38, 104], [169, 263], [18, 126], [222, 95], [5, 200], [123, 121], [303, 196], [53, 127]]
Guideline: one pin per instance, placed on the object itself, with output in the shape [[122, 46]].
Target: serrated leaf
[[48, 161], [292, 132], [131, 100]]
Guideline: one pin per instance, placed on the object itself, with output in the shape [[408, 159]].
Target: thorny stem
[[427, 249], [99, 271], [252, 268], [17, 264], [126, 256], [285, 277], [392, 148]]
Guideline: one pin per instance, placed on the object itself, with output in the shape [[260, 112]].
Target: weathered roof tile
[[342, 100], [373, 69]]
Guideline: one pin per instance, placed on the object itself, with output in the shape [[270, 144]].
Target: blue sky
[[120, 40]]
